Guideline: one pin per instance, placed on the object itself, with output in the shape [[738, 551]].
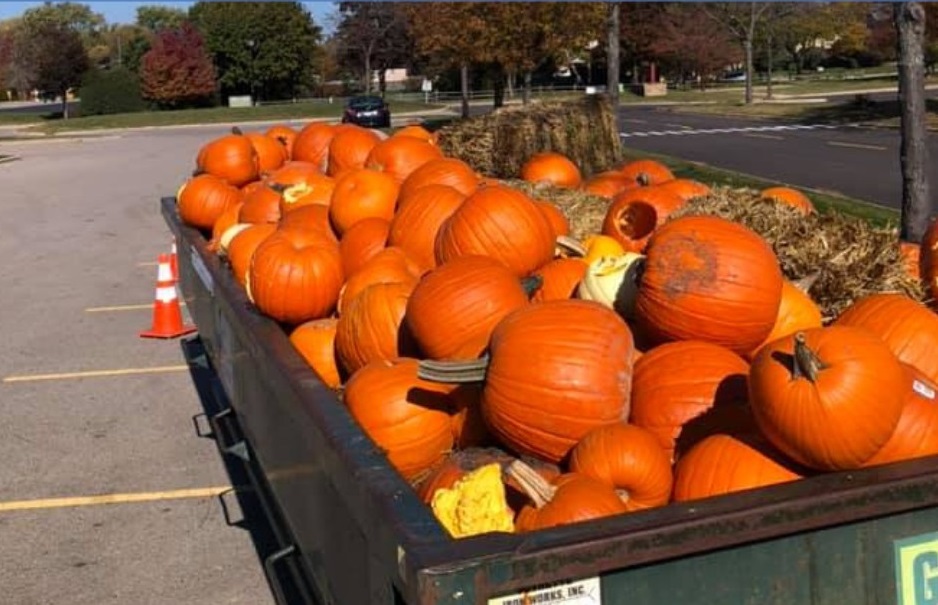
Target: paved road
[[79, 217], [859, 162]]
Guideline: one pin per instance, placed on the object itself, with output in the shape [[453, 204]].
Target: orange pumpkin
[[829, 398], [295, 277], [928, 259], [908, 328], [444, 171], [417, 223], [416, 131], [552, 168], [916, 434], [362, 193], [315, 342], [499, 222], [635, 214], [365, 239], [309, 219], [203, 199], [682, 391], [555, 216], [404, 416], [261, 205], [315, 190], [231, 158], [723, 464], [312, 145], [686, 189], [390, 265], [789, 196], [629, 459], [795, 312], [910, 254], [283, 135], [455, 307], [559, 279], [242, 247], [646, 173], [608, 184], [294, 173], [710, 279], [227, 219], [399, 156], [349, 148], [372, 328], [270, 153]]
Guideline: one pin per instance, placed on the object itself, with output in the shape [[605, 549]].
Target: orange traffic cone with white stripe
[[167, 316], [173, 265]]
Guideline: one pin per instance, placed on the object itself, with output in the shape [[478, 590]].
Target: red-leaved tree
[[178, 71]]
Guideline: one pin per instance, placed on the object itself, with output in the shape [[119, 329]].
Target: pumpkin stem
[[532, 284], [571, 245], [536, 487], [197, 172], [643, 179], [278, 187], [236, 130], [453, 372], [806, 363]]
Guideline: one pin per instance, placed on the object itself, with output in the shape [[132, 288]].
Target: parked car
[[368, 111]]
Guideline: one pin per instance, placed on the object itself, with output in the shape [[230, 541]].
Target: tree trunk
[[768, 82], [498, 85], [367, 79], [65, 104], [464, 85], [909, 20], [612, 54], [747, 49], [382, 81], [511, 84], [526, 92], [635, 72]]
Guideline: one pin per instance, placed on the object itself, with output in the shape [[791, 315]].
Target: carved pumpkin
[[499, 222], [635, 214], [349, 148], [629, 459], [723, 464], [916, 434], [365, 239], [908, 328], [444, 171], [688, 385], [829, 398], [570, 498], [362, 193], [405, 417], [559, 279], [242, 247], [315, 342], [455, 307], [553, 168], [295, 277], [312, 145], [371, 328], [231, 158], [203, 199], [710, 279], [417, 223], [270, 154], [795, 312], [646, 173], [399, 156], [790, 197], [555, 371]]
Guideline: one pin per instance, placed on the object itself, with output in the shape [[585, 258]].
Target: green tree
[[54, 57], [72, 15], [156, 18], [267, 49]]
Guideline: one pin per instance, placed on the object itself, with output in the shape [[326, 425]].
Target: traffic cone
[[173, 266], [167, 316]]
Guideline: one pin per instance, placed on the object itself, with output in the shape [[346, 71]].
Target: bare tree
[[612, 54], [742, 20], [917, 209], [372, 33]]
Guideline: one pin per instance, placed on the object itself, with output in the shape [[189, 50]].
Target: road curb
[[9, 158]]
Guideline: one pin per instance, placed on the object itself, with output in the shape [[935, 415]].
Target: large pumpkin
[[316, 190], [723, 464], [242, 246], [389, 265], [455, 307], [372, 328], [916, 434], [556, 370], [710, 279], [312, 145], [828, 398], [608, 184], [443, 171], [204, 198], [908, 328], [416, 224], [628, 458], [284, 135], [270, 153], [349, 148], [295, 277], [261, 205], [231, 158], [797, 311], [682, 391], [399, 156], [295, 173], [646, 172], [315, 342], [499, 222], [310, 219], [406, 417], [928, 259], [686, 189], [790, 197], [360, 243], [362, 193]]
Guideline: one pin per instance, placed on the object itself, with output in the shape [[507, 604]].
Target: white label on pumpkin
[[580, 592], [923, 389]]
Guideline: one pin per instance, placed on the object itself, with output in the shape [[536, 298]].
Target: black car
[[368, 111]]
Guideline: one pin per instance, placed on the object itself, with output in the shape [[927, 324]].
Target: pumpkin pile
[[521, 378]]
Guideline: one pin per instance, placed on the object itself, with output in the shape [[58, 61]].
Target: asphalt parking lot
[[107, 493]]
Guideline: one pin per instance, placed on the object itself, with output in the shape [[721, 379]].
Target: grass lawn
[[823, 201], [214, 115]]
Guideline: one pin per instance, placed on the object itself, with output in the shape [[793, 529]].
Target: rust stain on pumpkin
[[689, 263]]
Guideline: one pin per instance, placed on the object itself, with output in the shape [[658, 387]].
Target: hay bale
[[498, 144], [850, 257]]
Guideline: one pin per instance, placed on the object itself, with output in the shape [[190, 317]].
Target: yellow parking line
[[45, 503], [95, 373], [124, 308], [856, 145]]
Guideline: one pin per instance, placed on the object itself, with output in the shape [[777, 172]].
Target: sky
[[125, 12]]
